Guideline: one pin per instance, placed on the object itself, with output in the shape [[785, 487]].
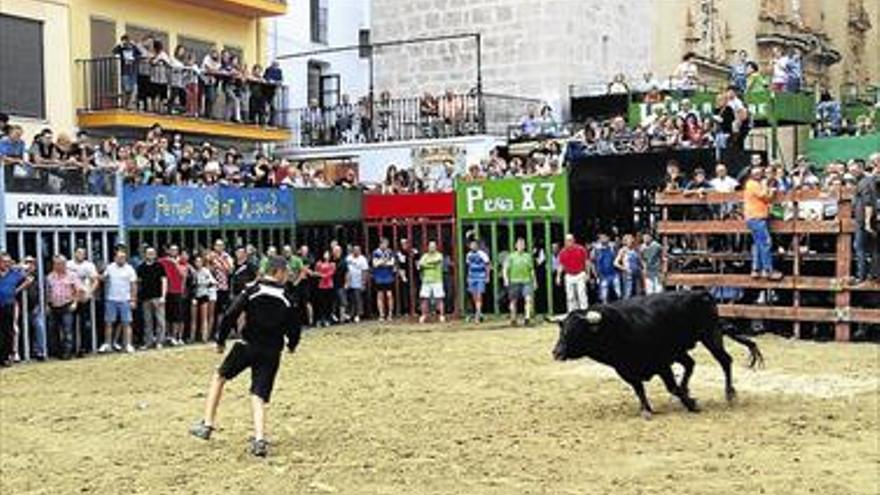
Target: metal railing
[[143, 86], [399, 119], [59, 179]]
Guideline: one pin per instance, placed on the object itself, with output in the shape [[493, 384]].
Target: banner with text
[[512, 198], [60, 210], [161, 206]]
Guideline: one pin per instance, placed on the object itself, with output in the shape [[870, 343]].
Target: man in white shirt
[[87, 274], [725, 184], [686, 75], [355, 281], [120, 281]]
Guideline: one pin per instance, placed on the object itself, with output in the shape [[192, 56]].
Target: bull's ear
[[593, 317]]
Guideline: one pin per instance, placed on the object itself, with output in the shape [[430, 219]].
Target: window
[[318, 18], [199, 48], [137, 33], [21, 47], [315, 71], [103, 36], [364, 47]]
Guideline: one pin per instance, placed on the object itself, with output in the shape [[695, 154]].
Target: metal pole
[[548, 267], [27, 305], [496, 265], [3, 210], [480, 114], [460, 240]]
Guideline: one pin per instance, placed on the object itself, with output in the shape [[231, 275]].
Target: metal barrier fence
[[59, 179], [111, 84]]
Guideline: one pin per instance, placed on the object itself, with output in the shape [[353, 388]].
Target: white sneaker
[[423, 319], [105, 348], [117, 347], [357, 319], [442, 319], [159, 345], [129, 349]]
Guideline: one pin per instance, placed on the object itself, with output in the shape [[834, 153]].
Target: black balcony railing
[[59, 179], [110, 84], [399, 119]]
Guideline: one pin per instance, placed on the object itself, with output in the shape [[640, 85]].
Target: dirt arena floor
[[444, 410]]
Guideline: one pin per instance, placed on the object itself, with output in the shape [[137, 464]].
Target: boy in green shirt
[[519, 278], [431, 267]]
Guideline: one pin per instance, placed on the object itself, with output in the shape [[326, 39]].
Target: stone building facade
[[839, 40], [531, 48]]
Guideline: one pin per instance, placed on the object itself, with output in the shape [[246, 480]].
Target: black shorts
[[263, 365], [384, 287], [174, 308]]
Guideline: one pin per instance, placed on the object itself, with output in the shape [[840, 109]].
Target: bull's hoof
[[730, 394], [647, 415], [690, 404]]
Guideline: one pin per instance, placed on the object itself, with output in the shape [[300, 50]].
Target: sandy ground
[[451, 410]]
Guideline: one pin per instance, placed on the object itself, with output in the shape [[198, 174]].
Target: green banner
[[328, 205], [703, 103], [829, 149], [797, 108], [502, 199]]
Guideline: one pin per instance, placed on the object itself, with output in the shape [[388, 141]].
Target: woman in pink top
[[325, 269]]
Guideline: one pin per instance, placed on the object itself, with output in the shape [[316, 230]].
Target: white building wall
[[291, 34]]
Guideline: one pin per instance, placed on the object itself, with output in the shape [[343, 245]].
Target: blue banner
[[167, 206]]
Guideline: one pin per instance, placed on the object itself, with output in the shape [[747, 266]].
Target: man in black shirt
[[865, 211], [128, 54], [270, 316], [151, 294], [339, 277]]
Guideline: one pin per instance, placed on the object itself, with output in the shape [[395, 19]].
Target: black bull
[[642, 337]]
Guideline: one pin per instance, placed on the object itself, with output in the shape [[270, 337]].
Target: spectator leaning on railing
[[757, 197]]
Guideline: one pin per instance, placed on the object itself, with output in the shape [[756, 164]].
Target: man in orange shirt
[[757, 197]]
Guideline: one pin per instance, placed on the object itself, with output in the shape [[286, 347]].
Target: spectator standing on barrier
[[120, 281], [757, 198], [407, 272], [651, 253], [87, 274], [431, 268], [11, 278], [152, 291], [574, 269], [325, 269], [741, 124], [629, 263], [174, 304], [383, 279], [340, 303], [129, 56], [63, 291], [205, 298], [478, 267], [865, 201], [221, 266], [739, 71], [357, 269], [603, 255], [519, 278]]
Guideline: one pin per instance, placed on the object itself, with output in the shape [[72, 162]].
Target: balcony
[[116, 100], [249, 8], [402, 119]]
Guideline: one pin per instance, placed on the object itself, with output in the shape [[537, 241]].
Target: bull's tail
[[755, 356]]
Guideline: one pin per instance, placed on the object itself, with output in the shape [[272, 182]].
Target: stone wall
[[534, 48]]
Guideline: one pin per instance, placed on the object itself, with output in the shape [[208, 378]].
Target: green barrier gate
[[496, 212], [328, 214]]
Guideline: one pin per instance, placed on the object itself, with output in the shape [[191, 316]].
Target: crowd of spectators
[[219, 86]]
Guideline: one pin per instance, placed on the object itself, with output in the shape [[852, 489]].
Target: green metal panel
[[825, 150], [328, 205], [535, 197], [702, 102], [783, 108]]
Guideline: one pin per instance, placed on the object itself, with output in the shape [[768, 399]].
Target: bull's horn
[[594, 317]]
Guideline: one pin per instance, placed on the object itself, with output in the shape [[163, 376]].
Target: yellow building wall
[[172, 17], [56, 53]]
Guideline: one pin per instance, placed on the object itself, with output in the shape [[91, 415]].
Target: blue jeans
[[631, 282], [38, 330], [608, 282], [762, 260], [61, 321], [865, 246]]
